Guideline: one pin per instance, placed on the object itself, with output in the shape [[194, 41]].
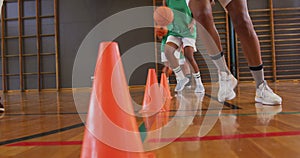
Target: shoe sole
[[199, 91], [232, 96], [259, 100]]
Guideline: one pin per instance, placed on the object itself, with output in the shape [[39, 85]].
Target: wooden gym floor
[[47, 124]]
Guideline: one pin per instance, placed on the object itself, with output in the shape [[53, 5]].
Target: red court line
[[58, 143], [224, 137], [183, 139]]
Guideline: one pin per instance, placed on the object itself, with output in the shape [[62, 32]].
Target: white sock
[[197, 78], [220, 62], [178, 72], [258, 74]]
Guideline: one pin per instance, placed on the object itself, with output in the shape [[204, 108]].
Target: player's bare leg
[[202, 11], [182, 80], [238, 12], [189, 54]]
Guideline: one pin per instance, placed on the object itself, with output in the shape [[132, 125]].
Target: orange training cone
[[153, 98], [155, 121], [164, 85], [167, 108], [111, 129]]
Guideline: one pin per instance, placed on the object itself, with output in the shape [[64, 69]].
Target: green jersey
[[182, 19]]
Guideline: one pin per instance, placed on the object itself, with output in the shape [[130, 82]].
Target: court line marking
[[85, 113], [38, 114], [225, 137], [183, 139], [239, 114], [41, 134], [82, 124], [179, 139], [54, 143], [232, 106]]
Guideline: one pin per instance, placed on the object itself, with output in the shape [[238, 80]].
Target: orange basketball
[[163, 16]]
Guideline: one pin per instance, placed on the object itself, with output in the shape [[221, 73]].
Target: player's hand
[[161, 31]]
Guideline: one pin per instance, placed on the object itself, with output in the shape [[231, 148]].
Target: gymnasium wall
[[278, 32], [81, 16], [78, 17], [28, 45]]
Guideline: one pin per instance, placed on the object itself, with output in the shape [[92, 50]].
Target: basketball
[[163, 16], [161, 31]]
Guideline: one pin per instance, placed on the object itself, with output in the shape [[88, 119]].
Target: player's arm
[[161, 31], [192, 25]]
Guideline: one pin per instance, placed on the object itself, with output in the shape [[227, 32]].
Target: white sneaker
[[180, 84], [265, 95], [227, 83], [189, 84], [199, 89]]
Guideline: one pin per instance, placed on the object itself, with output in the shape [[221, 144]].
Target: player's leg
[[184, 66], [166, 69], [202, 12], [173, 43], [189, 54], [238, 12], [189, 49]]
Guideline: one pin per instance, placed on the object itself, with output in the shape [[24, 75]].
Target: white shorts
[[181, 61], [224, 3], [182, 41]]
